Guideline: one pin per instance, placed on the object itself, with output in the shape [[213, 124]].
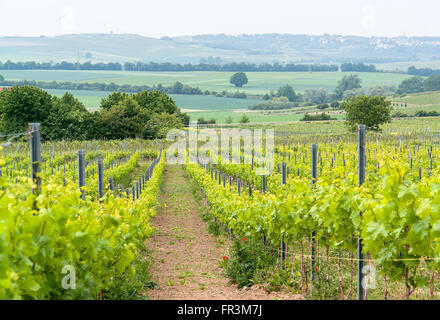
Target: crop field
[[259, 82], [92, 100]]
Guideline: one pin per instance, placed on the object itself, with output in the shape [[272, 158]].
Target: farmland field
[[424, 98], [92, 99], [259, 82]]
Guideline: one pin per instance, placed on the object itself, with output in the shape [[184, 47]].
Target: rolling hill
[[249, 48]]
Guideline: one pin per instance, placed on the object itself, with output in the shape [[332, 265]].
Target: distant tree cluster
[[146, 115], [418, 114], [176, 88], [277, 103], [358, 67], [170, 67], [203, 121], [419, 84], [347, 83], [316, 96], [317, 117], [423, 72]]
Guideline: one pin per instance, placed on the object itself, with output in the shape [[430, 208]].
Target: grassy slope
[[427, 101]]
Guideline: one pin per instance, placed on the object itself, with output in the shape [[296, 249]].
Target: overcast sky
[[156, 18]]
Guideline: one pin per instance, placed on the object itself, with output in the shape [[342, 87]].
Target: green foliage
[[156, 102], [113, 99], [322, 106], [432, 83], [214, 228], [22, 105], [316, 96], [352, 93], [277, 103], [370, 111], [423, 114], [126, 287], [100, 239], [159, 125], [244, 119], [125, 119], [146, 114], [348, 82], [239, 79], [412, 85], [317, 117], [203, 121], [247, 259], [229, 120], [288, 92], [381, 90]]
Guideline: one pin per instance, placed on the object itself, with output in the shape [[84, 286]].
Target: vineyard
[[315, 212], [60, 214], [340, 216]]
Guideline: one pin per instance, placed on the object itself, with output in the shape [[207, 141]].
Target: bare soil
[[186, 256]]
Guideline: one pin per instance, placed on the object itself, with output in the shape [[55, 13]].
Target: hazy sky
[[157, 18]]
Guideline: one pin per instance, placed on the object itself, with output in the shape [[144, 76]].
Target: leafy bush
[[280, 103], [317, 117]]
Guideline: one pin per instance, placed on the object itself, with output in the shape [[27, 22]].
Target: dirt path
[[186, 256]]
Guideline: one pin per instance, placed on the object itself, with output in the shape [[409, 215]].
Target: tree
[[316, 96], [288, 92], [177, 87], [124, 120], [244, 119], [370, 111], [348, 82], [432, 83], [239, 79], [353, 93], [229, 120], [156, 102], [160, 124], [23, 105], [383, 90], [412, 85], [113, 99], [2, 78]]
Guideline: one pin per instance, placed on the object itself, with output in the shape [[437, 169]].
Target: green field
[[424, 98], [259, 82], [210, 107], [255, 117], [92, 99], [426, 101]]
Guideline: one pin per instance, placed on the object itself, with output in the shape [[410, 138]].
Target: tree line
[[423, 72], [176, 88], [147, 115], [169, 67], [358, 67], [419, 84]]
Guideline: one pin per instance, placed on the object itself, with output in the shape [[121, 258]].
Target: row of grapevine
[[395, 212], [43, 234]]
